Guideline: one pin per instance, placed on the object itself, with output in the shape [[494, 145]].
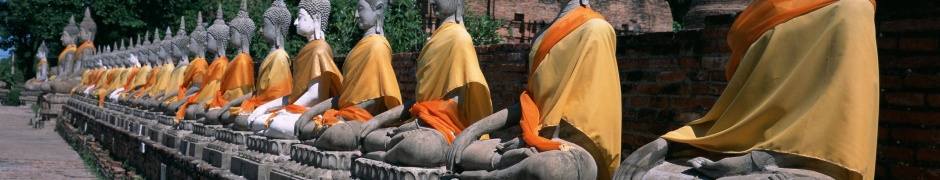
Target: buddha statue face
[[217, 36], [70, 32], [242, 29], [448, 10], [41, 52], [370, 14], [312, 18], [181, 42], [88, 27], [276, 23], [197, 39]]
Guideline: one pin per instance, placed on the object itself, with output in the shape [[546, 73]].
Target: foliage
[[11, 78], [679, 9], [403, 26], [342, 32], [677, 26], [13, 97], [483, 28]]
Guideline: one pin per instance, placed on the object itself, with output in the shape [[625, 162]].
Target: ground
[[27, 153]]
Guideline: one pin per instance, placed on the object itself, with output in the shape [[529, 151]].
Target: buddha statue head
[[243, 29], [197, 39], [154, 56], [70, 32], [180, 43], [166, 46], [143, 50], [370, 16], [276, 24], [41, 52], [217, 36], [448, 10], [89, 28], [312, 18], [122, 55]]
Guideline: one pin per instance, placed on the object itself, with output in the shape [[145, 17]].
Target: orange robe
[[239, 79], [212, 81], [194, 74], [448, 62], [151, 81], [274, 81], [367, 75], [574, 78]]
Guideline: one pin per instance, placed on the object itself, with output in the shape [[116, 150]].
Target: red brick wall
[[909, 58], [504, 67], [651, 15]]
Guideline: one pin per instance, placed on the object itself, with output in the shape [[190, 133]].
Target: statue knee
[[339, 137], [419, 148]]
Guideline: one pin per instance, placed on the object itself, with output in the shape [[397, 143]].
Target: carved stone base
[[194, 143], [333, 160], [219, 153], [173, 138], [364, 168], [255, 165], [295, 170], [156, 131]]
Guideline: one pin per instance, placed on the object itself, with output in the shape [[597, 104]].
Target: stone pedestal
[[194, 143], [28, 97], [365, 168], [52, 106], [263, 155], [228, 143]]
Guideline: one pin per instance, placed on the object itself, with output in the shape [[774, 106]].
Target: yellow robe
[[808, 86], [213, 81], [239, 79], [176, 78], [448, 62], [163, 79], [194, 74], [577, 81], [140, 80], [274, 81], [368, 74], [151, 82], [314, 61]]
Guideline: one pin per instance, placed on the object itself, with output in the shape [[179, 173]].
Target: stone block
[[364, 168]]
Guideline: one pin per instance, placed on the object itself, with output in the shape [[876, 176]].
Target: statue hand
[[642, 160], [455, 150], [368, 127]]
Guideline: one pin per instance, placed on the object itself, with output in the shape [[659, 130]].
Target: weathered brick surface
[[640, 16]]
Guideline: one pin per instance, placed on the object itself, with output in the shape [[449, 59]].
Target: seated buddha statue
[[238, 83], [570, 125], [215, 40], [801, 101], [450, 94]]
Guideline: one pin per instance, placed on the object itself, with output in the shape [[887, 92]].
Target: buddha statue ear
[[458, 16], [380, 20]]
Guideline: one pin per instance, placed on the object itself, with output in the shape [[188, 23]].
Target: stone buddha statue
[[87, 37], [801, 101], [141, 84], [66, 60], [171, 73], [214, 40], [362, 95], [153, 83], [239, 81], [316, 77], [42, 69], [275, 82], [451, 94], [196, 75], [570, 127], [180, 51]]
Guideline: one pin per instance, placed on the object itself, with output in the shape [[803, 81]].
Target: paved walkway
[[27, 153]]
